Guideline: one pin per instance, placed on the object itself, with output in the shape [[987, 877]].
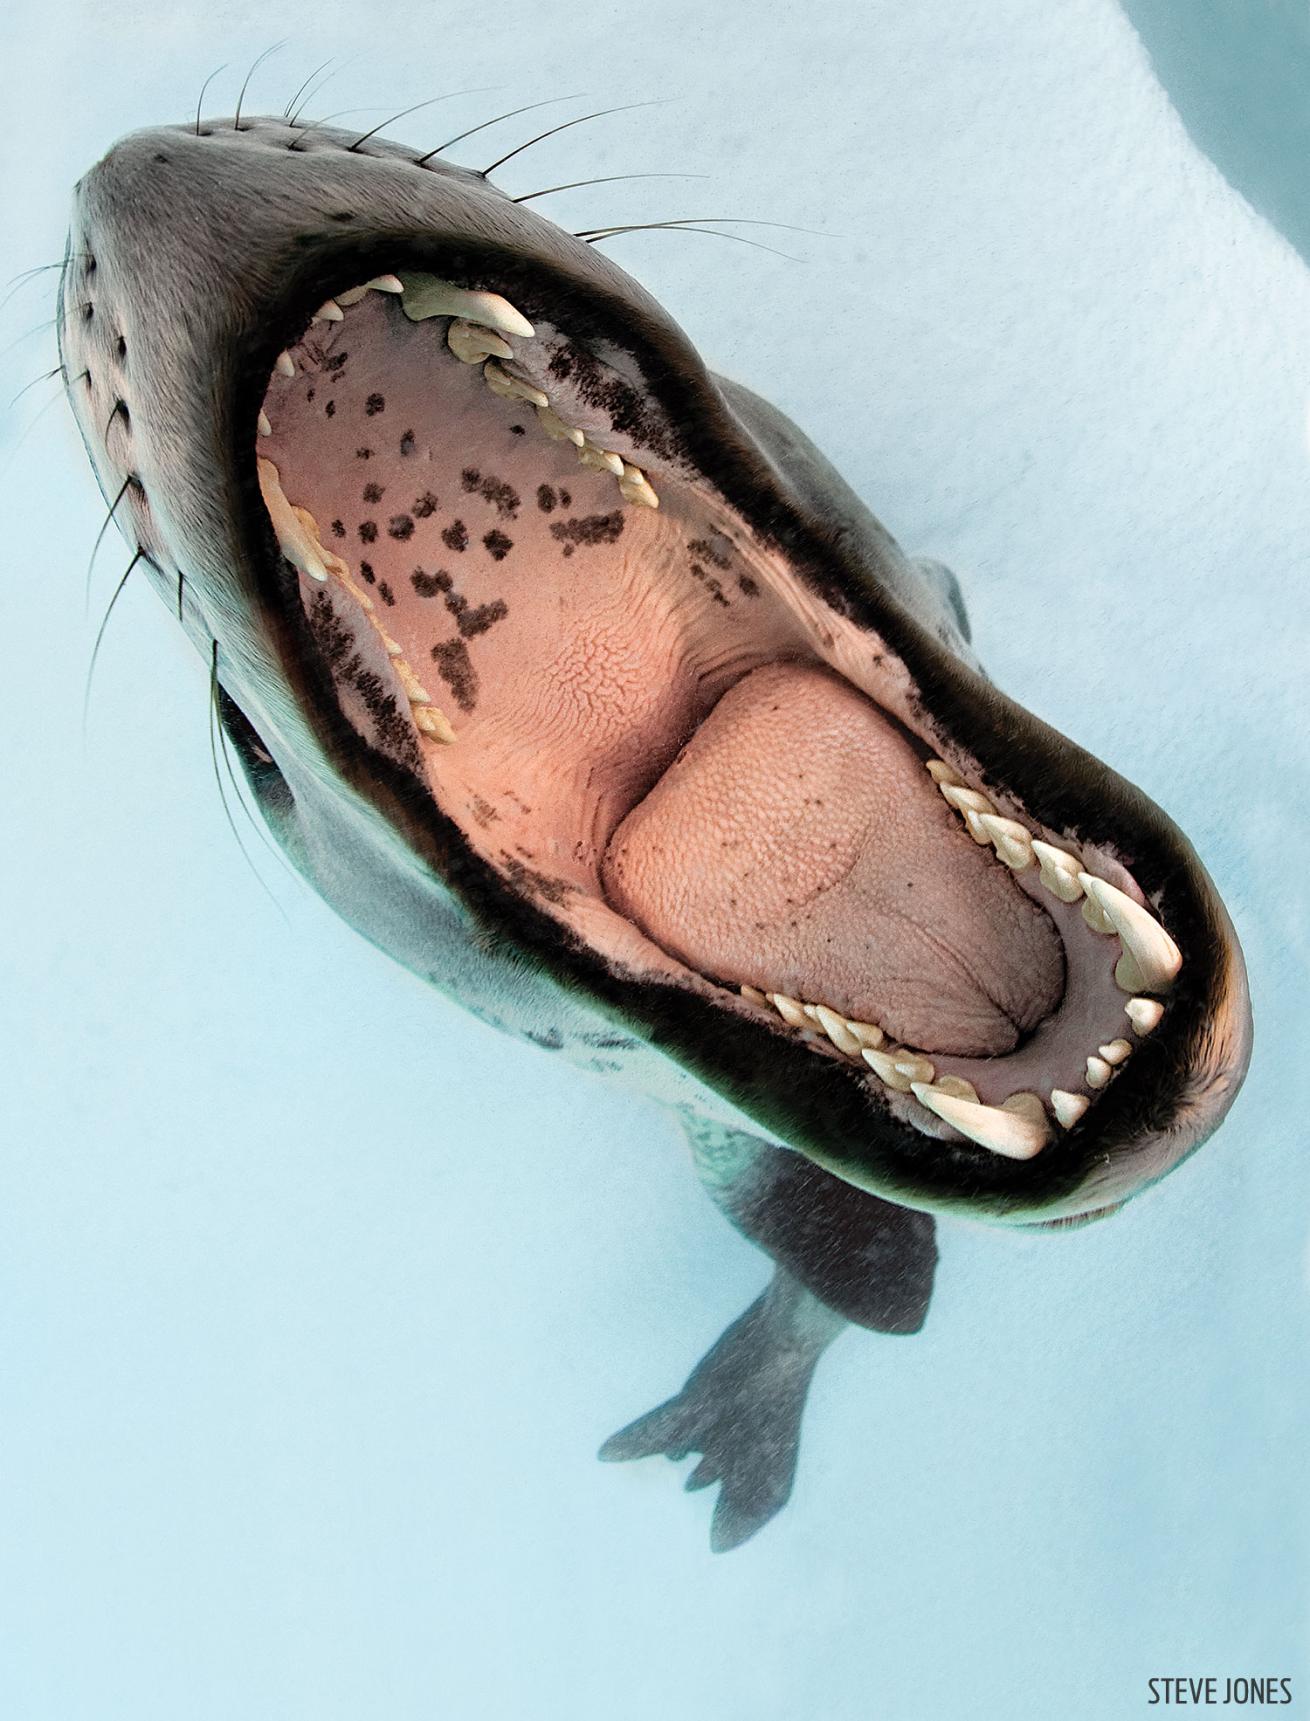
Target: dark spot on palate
[[470, 478], [407, 443], [334, 362], [386, 594], [331, 409], [400, 526], [338, 530], [374, 405], [545, 498], [426, 505], [517, 430], [750, 587], [455, 668], [590, 530], [455, 536], [497, 545], [372, 492], [310, 393], [368, 531], [565, 500], [428, 585], [363, 454], [366, 570]]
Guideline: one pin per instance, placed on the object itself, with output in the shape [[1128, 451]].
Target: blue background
[[299, 1396]]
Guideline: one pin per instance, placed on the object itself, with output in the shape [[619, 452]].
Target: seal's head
[[539, 639]]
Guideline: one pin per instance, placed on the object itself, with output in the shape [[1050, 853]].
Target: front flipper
[[741, 1408]]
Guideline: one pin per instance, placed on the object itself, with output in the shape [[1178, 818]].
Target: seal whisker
[[100, 634], [487, 124], [582, 119], [605, 179], [236, 119], [286, 111], [201, 98], [594, 235], [449, 96]]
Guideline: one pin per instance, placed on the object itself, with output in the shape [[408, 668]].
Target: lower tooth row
[[301, 543], [1150, 960], [1017, 1128]]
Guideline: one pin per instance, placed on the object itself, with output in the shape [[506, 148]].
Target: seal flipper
[[841, 1255], [741, 1408]]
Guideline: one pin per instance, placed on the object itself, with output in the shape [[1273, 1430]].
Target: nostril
[[88, 311], [122, 348]]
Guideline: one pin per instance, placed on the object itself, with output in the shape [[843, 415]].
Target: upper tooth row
[[1150, 959], [301, 543], [1017, 1128], [479, 323]]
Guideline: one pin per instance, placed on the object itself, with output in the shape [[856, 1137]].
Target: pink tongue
[[797, 844]]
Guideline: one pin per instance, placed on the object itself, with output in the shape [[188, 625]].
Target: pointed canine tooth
[[1116, 1051], [263, 426], [352, 295], [1012, 1133], [329, 312], [389, 645], [415, 691], [429, 296], [1149, 949], [1068, 1108], [867, 1034], [789, 1010], [1059, 871], [432, 723], [1013, 842], [753, 995], [1144, 1014], [385, 284], [285, 364], [556, 429], [976, 829], [1098, 1072], [472, 344], [883, 1066], [941, 772], [834, 1026]]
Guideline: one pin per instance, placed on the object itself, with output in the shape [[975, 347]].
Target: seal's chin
[[643, 720]]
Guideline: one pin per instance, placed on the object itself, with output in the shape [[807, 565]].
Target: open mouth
[[645, 722]]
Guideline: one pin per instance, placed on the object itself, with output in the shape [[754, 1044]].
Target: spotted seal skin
[[574, 678]]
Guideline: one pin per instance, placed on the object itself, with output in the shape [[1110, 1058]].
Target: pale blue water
[[300, 1397]]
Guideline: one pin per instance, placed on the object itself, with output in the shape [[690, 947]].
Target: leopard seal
[[575, 678]]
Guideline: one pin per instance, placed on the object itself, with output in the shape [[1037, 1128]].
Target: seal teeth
[[264, 427], [328, 312], [472, 344], [1144, 1014], [285, 364], [1151, 959], [1013, 1130], [1068, 1108]]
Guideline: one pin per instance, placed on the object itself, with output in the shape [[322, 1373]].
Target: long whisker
[[286, 111], [100, 637], [309, 95], [341, 113], [581, 120], [487, 124], [605, 179], [600, 234], [35, 380], [200, 100], [431, 102], [236, 122], [100, 537]]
